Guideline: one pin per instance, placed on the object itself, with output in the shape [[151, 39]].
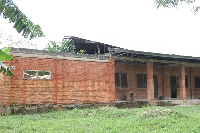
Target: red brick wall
[[1, 85], [174, 71], [158, 70], [182, 88], [124, 68], [163, 73], [5, 85], [133, 69], [71, 82], [150, 81], [84, 81]]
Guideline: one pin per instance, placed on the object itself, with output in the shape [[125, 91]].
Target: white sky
[[131, 24]]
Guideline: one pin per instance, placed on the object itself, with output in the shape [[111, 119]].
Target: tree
[[175, 3], [65, 46], [21, 24]]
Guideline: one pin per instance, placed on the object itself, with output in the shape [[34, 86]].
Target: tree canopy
[[22, 24], [175, 3], [64, 46]]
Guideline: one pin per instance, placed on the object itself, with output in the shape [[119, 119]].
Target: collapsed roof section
[[120, 54], [91, 47]]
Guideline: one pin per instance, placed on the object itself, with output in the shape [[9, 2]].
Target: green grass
[[107, 119]]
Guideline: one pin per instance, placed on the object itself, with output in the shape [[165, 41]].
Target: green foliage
[[42, 73], [81, 51], [65, 46], [175, 3], [4, 56], [196, 9], [52, 46], [108, 119], [21, 22], [4, 70]]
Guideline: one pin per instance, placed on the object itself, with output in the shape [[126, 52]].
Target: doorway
[[155, 78], [174, 85]]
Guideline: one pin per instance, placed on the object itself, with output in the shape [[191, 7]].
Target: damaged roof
[[148, 55], [93, 47]]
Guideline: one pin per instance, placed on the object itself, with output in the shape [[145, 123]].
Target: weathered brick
[[71, 82]]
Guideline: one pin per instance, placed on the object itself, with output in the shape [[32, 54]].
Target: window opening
[[121, 80], [36, 74], [141, 81]]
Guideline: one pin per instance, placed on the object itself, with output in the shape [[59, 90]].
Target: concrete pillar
[[163, 81], [182, 82], [55, 96], [150, 81], [192, 83], [112, 80]]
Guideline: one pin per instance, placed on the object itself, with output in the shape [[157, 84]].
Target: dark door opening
[[155, 78], [174, 85]]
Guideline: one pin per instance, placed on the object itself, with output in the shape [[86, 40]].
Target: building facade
[[43, 77]]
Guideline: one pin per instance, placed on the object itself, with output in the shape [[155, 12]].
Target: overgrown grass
[[107, 119]]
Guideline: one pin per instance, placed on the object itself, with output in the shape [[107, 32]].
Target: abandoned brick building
[[105, 74]]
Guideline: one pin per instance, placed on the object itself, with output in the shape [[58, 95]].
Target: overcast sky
[[131, 24]]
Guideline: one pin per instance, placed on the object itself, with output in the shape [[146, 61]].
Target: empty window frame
[[36, 74], [141, 81], [197, 81], [121, 80]]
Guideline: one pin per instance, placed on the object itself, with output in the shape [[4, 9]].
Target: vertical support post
[[163, 81], [112, 80], [192, 85], [182, 82], [150, 82], [55, 82]]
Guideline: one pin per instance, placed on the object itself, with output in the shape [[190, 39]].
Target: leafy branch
[[175, 3], [65, 46], [4, 56], [21, 23]]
